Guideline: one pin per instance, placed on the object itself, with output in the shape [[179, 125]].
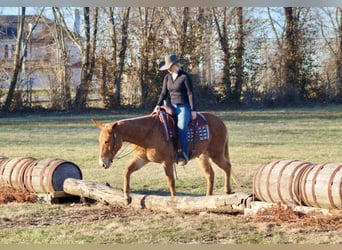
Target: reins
[[119, 156]]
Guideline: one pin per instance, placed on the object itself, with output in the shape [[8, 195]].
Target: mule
[[150, 145]]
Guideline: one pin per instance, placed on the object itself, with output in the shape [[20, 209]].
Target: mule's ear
[[97, 123], [112, 125]]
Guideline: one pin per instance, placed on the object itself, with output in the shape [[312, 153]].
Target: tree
[[18, 60], [87, 46], [19, 55], [239, 52], [118, 68], [62, 99], [223, 20], [292, 57], [150, 22], [332, 27], [186, 35], [295, 70], [229, 23], [88, 59]]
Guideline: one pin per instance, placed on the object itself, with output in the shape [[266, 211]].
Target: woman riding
[[178, 84]]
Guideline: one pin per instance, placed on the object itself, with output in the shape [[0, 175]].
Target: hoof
[[128, 200]]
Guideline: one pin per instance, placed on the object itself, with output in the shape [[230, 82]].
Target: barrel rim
[[332, 176]]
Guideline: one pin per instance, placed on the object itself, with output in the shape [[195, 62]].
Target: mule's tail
[[226, 155]]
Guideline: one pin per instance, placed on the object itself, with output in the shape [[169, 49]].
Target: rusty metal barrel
[[321, 186], [48, 175], [279, 181], [12, 171]]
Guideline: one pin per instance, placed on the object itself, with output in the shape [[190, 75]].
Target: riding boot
[[182, 159]]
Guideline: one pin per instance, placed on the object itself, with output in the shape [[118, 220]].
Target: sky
[[34, 11]]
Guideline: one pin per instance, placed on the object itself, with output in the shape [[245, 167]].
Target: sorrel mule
[[146, 135]]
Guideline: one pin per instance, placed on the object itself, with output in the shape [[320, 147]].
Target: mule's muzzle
[[105, 163]]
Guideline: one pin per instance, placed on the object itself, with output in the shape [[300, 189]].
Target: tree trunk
[[339, 61], [63, 72], [17, 63], [233, 203], [122, 57], [239, 51], [291, 67], [222, 30], [88, 60]]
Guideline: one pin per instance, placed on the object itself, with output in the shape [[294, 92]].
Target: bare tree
[[19, 55], [230, 23], [292, 57], [333, 28], [118, 68], [18, 60], [186, 35], [149, 23], [63, 100], [223, 19], [295, 65], [239, 52], [87, 46], [88, 59]]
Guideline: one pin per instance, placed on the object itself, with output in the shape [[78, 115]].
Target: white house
[[41, 61]]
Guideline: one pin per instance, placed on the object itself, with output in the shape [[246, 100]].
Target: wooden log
[[232, 203]]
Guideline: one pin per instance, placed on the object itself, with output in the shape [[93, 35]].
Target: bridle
[[118, 157]]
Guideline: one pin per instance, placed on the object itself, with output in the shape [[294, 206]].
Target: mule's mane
[[137, 130], [134, 118]]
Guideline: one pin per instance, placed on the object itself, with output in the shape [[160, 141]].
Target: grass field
[[256, 136]]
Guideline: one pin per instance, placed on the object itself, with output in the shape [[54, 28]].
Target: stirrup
[[182, 160]]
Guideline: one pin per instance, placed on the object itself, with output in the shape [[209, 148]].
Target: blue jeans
[[183, 113]]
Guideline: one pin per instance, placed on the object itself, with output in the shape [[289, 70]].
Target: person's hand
[[156, 110], [193, 115]]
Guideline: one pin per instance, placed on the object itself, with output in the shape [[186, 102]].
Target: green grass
[[256, 136]]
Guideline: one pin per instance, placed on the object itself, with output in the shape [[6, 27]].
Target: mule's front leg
[[170, 178], [135, 165]]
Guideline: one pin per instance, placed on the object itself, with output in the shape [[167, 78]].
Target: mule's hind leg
[[225, 165], [208, 172], [135, 165]]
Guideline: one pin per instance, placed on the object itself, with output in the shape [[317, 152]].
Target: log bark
[[232, 203]]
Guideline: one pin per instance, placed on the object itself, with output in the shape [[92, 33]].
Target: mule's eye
[[106, 142]]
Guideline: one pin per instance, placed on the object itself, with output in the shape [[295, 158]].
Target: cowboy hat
[[161, 64], [169, 61]]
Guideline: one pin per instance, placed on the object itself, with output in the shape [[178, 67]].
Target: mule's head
[[110, 143]]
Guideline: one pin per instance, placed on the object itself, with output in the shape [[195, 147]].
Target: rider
[[178, 84]]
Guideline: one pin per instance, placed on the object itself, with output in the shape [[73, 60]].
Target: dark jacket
[[181, 90]]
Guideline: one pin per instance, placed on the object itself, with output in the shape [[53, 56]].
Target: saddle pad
[[198, 129]]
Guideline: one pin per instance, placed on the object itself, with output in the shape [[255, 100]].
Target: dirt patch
[[8, 194], [280, 215], [72, 214]]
